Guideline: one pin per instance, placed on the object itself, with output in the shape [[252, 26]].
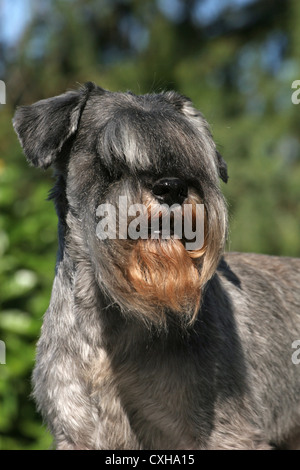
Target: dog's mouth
[[174, 229], [165, 262], [157, 223], [158, 230]]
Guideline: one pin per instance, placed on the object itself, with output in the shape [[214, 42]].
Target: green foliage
[[27, 251], [237, 68]]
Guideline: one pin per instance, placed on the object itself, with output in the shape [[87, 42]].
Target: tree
[[236, 60]]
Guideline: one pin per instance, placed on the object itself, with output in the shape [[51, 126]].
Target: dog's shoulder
[[262, 280], [234, 264]]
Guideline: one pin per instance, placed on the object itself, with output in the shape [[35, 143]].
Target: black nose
[[170, 191]]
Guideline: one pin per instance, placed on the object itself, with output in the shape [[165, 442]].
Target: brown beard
[[167, 275]]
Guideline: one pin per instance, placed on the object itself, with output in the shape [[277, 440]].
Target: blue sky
[[14, 14], [206, 11]]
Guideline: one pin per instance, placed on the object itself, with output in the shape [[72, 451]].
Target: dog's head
[[138, 193]]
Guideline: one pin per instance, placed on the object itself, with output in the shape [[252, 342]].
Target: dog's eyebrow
[[152, 142]]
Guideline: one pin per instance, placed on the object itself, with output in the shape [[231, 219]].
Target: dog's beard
[[156, 280], [163, 272], [166, 276]]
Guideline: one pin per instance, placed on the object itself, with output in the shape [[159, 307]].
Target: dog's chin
[[166, 276]]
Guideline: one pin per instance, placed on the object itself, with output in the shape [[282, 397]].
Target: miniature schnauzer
[[149, 343]]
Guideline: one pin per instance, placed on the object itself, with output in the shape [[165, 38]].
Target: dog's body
[[147, 345]]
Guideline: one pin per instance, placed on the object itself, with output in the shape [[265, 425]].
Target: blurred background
[[236, 59]]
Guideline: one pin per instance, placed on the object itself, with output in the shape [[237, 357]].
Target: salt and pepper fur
[[117, 369]]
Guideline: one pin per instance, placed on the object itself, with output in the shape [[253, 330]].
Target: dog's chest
[[150, 399]]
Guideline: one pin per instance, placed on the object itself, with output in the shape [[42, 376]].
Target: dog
[[147, 344]]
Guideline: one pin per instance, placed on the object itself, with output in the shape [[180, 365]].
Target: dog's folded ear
[[222, 167], [44, 127]]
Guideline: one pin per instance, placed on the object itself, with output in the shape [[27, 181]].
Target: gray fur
[[111, 375]]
